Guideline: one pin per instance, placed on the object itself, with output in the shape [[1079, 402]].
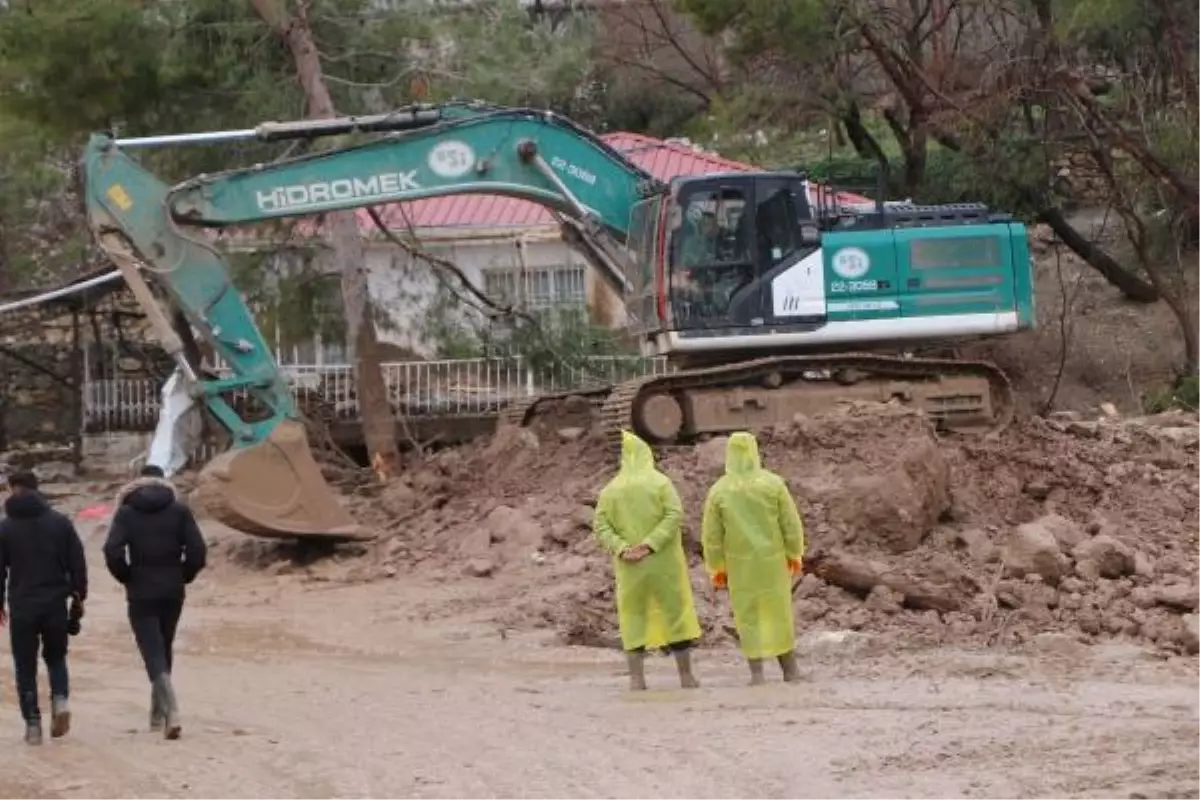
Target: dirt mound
[[1087, 528]]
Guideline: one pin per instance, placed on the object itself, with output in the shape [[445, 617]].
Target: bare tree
[[378, 419]]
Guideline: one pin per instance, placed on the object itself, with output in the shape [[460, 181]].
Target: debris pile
[[1084, 528]]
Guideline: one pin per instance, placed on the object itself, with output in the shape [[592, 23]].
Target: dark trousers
[[47, 629], [154, 623]]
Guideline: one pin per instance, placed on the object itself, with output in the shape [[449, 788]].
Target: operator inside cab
[[710, 264]]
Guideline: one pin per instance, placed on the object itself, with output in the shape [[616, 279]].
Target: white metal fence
[[452, 387]]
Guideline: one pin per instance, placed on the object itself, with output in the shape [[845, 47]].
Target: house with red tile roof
[[510, 249]]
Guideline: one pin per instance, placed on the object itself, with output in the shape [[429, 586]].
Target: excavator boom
[[269, 483]]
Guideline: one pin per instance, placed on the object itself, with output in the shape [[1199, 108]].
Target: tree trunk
[[859, 576], [378, 419], [1133, 287]]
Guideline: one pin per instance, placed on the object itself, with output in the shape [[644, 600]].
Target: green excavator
[[767, 299]]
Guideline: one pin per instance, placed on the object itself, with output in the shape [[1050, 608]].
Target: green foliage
[[1185, 395], [291, 296], [950, 176], [40, 233], [1110, 29]]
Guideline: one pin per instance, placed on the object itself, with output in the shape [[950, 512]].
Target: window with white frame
[[539, 288]]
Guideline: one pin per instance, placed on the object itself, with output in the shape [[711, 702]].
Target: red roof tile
[[664, 159]]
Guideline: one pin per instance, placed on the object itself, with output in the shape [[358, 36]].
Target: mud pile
[[1088, 528]]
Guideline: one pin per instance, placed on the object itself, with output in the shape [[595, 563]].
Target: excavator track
[[962, 396]]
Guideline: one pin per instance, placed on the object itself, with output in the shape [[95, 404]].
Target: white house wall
[[406, 290]]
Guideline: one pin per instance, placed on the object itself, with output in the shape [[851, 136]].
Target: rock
[[572, 566], [1066, 532], [710, 455], [810, 585], [561, 532], [1103, 556], [389, 571], [479, 567], [1143, 597], [476, 544], [1109, 410], [1037, 489], [978, 545], [398, 498], [897, 506], [1143, 565], [810, 609], [428, 481], [1178, 596], [1088, 620], [1189, 633], [571, 434], [507, 524], [881, 598], [1073, 584], [1032, 549]]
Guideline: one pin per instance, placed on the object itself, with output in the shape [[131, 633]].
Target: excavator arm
[[161, 239]]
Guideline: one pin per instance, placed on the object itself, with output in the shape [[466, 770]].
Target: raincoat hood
[[636, 455], [741, 454]]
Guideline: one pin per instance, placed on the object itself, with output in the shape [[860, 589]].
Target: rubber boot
[[791, 670], [637, 671], [683, 663], [169, 705], [756, 672], [158, 717], [33, 732], [60, 717]]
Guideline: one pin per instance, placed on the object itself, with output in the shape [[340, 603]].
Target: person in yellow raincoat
[[639, 520], [753, 542]]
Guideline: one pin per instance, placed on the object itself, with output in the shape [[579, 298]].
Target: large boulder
[[898, 505], [1032, 549], [514, 527], [1103, 557], [1068, 534]]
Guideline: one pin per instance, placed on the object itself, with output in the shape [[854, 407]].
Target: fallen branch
[[859, 576]]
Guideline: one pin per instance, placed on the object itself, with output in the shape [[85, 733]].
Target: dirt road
[[293, 689]]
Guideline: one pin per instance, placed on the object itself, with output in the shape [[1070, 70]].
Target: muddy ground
[[1008, 617], [294, 687]]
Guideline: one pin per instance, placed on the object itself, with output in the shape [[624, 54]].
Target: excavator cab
[[707, 252]]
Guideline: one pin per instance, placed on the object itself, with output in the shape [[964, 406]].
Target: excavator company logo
[[451, 159], [323, 193]]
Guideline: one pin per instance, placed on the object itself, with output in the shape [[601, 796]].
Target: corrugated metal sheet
[[664, 159]]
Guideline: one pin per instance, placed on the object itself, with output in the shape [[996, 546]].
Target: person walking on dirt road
[[639, 521], [44, 572], [154, 548], [753, 542]]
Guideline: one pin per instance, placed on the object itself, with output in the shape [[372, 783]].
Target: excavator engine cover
[[275, 489]]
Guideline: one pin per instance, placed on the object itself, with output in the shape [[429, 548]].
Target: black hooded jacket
[[41, 557], [154, 546]]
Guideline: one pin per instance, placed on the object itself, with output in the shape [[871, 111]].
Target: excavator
[[768, 298]]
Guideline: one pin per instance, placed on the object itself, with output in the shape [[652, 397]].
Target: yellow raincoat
[[654, 595], [751, 534]]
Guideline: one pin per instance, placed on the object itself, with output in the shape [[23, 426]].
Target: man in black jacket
[[154, 548], [42, 567]]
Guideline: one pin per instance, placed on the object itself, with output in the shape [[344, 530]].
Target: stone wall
[[48, 353], [1081, 178]]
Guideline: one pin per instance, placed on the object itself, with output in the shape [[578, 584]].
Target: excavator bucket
[[275, 489]]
